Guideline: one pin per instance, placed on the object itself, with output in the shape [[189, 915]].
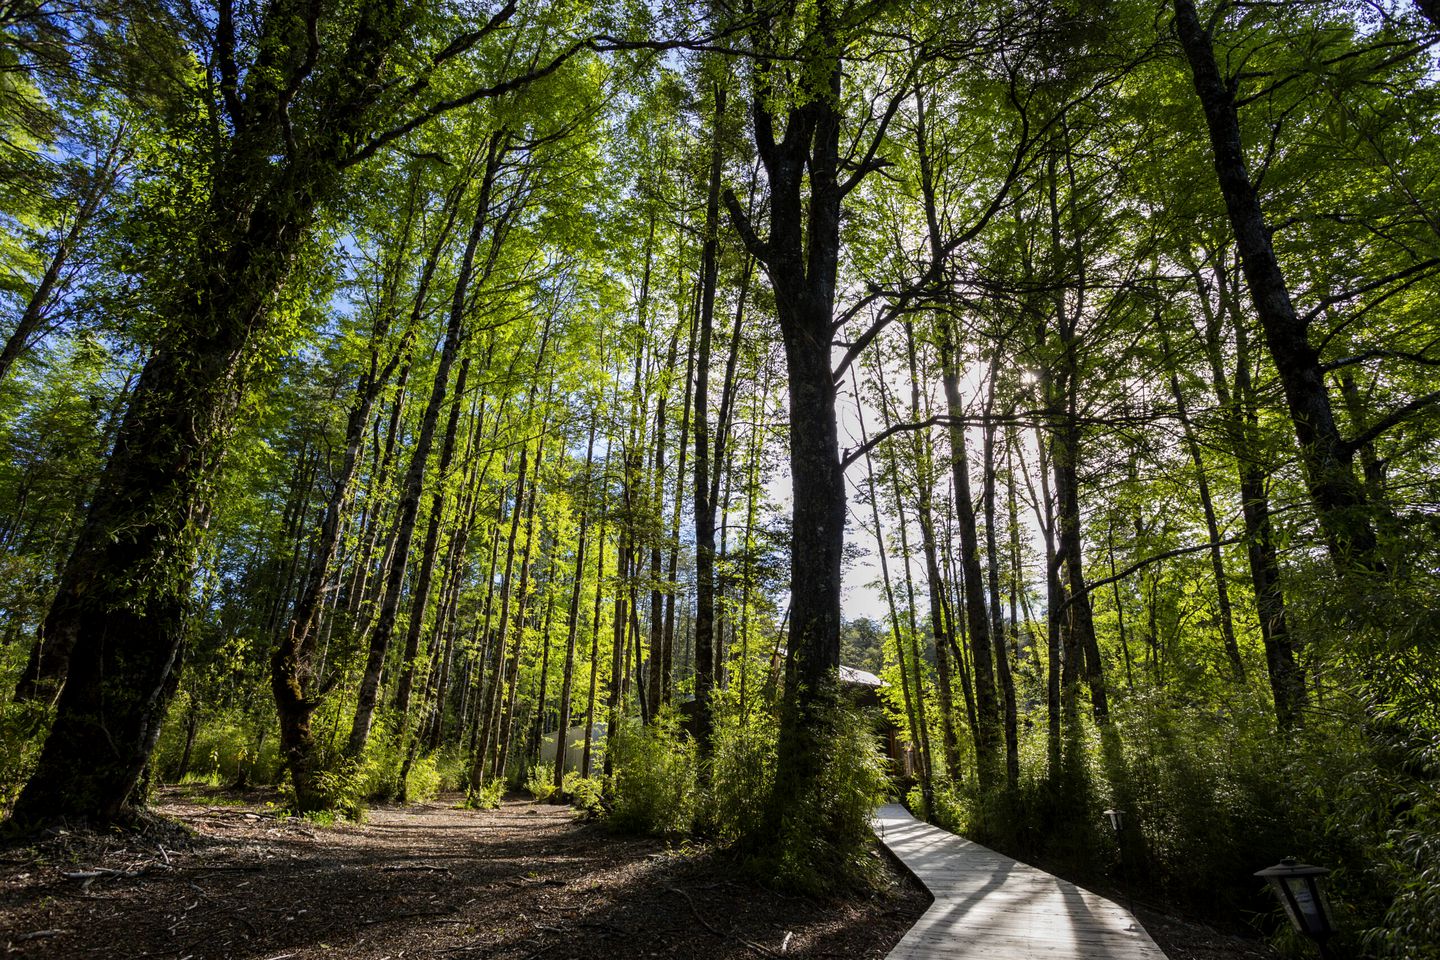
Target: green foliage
[[1211, 797], [654, 787], [824, 840], [342, 789], [861, 643], [540, 781], [424, 778], [321, 818], [586, 793], [22, 728], [378, 776], [742, 773], [488, 797], [230, 748]]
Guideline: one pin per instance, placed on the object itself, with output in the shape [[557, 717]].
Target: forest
[[400, 396]]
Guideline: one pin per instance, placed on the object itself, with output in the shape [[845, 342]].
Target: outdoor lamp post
[[1301, 890], [1117, 824]]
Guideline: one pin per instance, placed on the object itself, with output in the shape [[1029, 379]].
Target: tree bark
[[935, 580], [977, 618], [801, 257], [1207, 506], [704, 504], [120, 606], [1240, 423], [411, 488], [573, 619], [1337, 494], [293, 678]]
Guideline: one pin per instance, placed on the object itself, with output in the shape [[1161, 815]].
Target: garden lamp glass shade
[[1301, 890], [1116, 818]]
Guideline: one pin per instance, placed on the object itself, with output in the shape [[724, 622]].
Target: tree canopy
[[392, 390]]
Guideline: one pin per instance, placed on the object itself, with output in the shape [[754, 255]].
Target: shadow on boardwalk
[[990, 907]]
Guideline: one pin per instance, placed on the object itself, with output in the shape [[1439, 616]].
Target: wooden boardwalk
[[990, 907]]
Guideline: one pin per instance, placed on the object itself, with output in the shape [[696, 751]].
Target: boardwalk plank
[[991, 907]]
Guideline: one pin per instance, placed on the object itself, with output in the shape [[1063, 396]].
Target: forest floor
[[524, 882], [222, 875]]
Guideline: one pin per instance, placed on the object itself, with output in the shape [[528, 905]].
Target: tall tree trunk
[[292, 673], [411, 488], [667, 667], [704, 504], [614, 698], [920, 451], [573, 619], [585, 751], [1337, 494], [992, 555], [914, 702], [1060, 382], [117, 620], [420, 588], [1240, 423], [1207, 506], [981, 645], [479, 765], [659, 683], [507, 727], [801, 257]]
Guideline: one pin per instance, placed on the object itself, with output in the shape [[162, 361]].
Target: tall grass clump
[[741, 773], [815, 837], [654, 788]]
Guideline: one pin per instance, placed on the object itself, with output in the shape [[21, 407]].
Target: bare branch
[[1409, 273], [758, 248], [1094, 585], [1392, 419]]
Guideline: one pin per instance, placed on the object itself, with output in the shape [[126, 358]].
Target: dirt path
[[524, 882]]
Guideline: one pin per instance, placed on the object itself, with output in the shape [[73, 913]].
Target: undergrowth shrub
[[824, 840], [22, 732], [1211, 796], [423, 780], [487, 797], [741, 774], [654, 787], [540, 781], [231, 748], [585, 793], [341, 789]]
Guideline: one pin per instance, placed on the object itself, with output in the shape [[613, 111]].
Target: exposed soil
[[524, 882], [1187, 940]]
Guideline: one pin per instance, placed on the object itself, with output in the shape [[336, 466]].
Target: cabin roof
[[862, 678]]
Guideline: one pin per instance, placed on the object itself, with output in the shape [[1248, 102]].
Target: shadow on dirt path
[[522, 882]]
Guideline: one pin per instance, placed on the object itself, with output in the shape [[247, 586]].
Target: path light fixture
[[1117, 824], [1301, 889]]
